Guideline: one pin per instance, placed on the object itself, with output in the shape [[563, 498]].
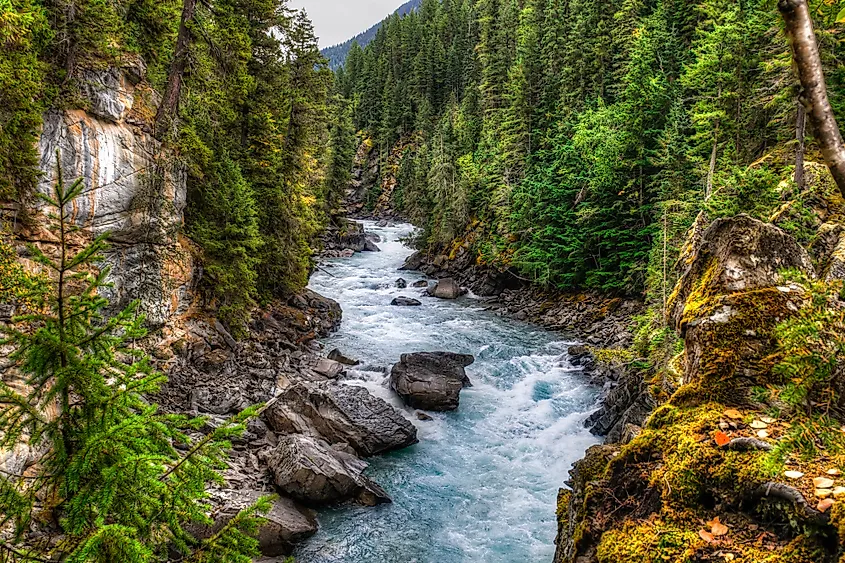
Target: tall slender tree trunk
[[169, 107], [805, 53], [708, 189], [800, 131]]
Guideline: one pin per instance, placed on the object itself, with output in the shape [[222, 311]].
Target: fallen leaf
[[834, 472], [768, 419], [823, 483], [733, 413], [730, 557], [758, 425], [839, 492], [721, 438], [793, 474], [717, 528], [706, 536], [762, 434], [824, 505], [823, 493]]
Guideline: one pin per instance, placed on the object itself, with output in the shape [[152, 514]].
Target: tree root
[[748, 445], [779, 491]]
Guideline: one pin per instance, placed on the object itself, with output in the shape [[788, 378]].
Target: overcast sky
[[335, 21]]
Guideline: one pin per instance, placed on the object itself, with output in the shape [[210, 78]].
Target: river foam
[[481, 485]]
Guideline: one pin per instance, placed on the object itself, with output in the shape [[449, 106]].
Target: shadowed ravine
[[482, 483]]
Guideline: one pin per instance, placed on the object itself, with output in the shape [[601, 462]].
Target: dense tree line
[[245, 108], [585, 137]]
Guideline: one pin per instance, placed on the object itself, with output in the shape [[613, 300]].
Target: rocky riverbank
[[598, 320], [310, 442], [700, 481]]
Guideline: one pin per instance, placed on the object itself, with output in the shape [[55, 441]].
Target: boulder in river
[[329, 368], [421, 283], [401, 283], [402, 301], [413, 262], [311, 471], [341, 414], [285, 525], [446, 288], [338, 356], [431, 380]]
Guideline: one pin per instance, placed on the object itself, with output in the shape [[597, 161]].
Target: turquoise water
[[481, 486]]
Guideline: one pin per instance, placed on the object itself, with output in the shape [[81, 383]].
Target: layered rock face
[[133, 190]]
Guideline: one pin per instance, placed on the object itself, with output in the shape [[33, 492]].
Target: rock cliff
[[134, 191]]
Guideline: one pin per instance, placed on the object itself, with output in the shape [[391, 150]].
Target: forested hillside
[[336, 54], [575, 142]]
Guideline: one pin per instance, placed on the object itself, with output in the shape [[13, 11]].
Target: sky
[[335, 21]]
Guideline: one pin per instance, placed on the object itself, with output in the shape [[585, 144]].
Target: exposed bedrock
[[431, 380], [133, 190]]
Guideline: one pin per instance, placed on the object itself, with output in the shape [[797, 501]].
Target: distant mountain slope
[[337, 53]]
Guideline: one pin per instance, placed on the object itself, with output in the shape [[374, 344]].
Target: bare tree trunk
[[708, 189], [805, 52], [800, 131], [167, 110]]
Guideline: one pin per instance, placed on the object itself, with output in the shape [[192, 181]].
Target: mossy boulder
[[576, 511], [728, 301]]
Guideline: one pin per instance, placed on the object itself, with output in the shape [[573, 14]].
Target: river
[[481, 485]]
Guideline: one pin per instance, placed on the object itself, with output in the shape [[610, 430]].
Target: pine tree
[[110, 482], [226, 226]]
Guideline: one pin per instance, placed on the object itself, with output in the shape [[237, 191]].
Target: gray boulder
[[329, 368], [446, 288], [413, 262], [311, 471], [401, 283], [341, 414], [402, 301], [338, 356], [286, 523], [370, 246], [421, 283], [431, 380]]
